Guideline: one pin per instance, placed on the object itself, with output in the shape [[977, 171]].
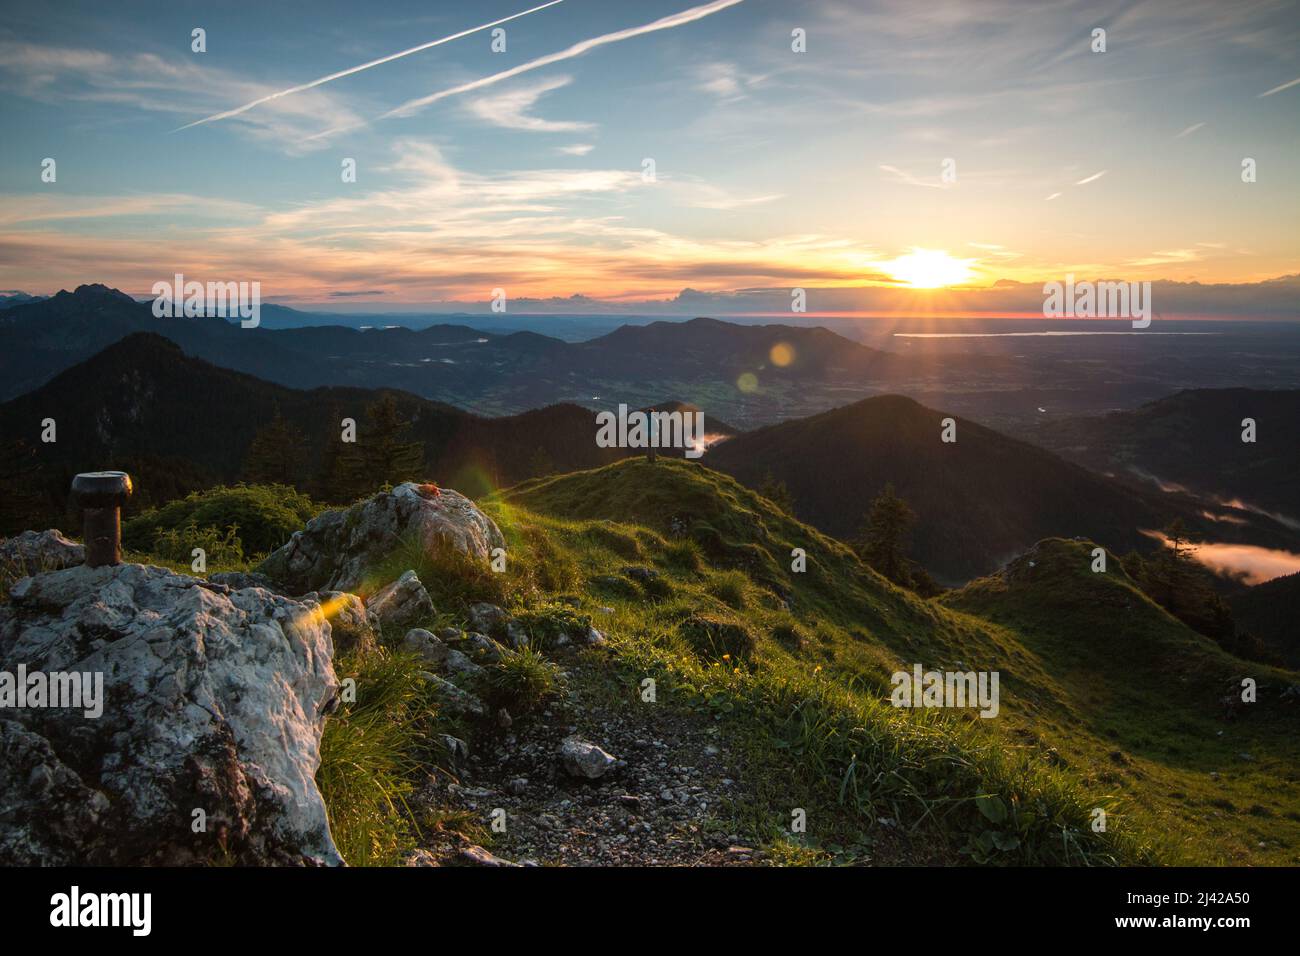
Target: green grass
[[371, 752], [804, 691]]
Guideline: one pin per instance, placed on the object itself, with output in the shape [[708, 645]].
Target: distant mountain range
[[1193, 441], [980, 500], [701, 361]]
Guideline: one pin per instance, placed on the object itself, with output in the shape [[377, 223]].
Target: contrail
[[1279, 89], [665, 23], [364, 66]]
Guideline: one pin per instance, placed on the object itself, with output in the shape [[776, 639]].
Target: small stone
[[477, 856], [583, 759]]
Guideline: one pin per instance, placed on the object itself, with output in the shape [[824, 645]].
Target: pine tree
[[379, 456], [275, 456], [882, 542], [776, 491], [24, 504]]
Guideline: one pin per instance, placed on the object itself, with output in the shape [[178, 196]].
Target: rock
[[436, 652], [504, 720], [477, 856], [403, 602], [488, 618], [457, 748], [238, 580], [484, 648], [458, 663], [456, 700], [337, 550], [644, 575], [594, 638], [352, 627], [35, 551], [517, 786], [422, 642], [583, 759], [212, 700], [516, 634]]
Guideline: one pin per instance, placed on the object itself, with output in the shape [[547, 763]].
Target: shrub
[[178, 544], [265, 516], [547, 622], [522, 680]]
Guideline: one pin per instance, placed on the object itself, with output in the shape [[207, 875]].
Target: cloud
[[1190, 130], [578, 49], [364, 66], [900, 176], [726, 81], [511, 108], [1091, 179], [149, 83], [575, 149]]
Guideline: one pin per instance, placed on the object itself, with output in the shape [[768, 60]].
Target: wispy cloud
[[1092, 179], [364, 66], [1190, 130], [511, 108], [578, 49], [907, 179]]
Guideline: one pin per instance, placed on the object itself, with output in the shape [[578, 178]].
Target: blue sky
[[773, 168]]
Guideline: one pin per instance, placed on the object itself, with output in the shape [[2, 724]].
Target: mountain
[[980, 499], [1271, 611], [12, 297], [737, 372], [1193, 440], [182, 423]]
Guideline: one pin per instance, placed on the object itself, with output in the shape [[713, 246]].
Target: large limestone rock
[[337, 549], [35, 551], [213, 700]]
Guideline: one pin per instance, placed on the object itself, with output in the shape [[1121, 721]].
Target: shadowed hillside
[[980, 500]]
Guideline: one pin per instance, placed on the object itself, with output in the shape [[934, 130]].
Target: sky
[[981, 147]]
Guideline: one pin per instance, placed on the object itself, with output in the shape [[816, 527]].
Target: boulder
[[352, 626], [35, 551], [488, 619], [338, 550], [403, 602], [211, 707], [583, 759]]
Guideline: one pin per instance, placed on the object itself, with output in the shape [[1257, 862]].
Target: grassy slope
[[1091, 717], [1134, 704]]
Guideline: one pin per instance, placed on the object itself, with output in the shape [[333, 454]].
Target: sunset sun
[[929, 269]]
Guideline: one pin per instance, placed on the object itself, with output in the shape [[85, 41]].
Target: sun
[[929, 269]]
